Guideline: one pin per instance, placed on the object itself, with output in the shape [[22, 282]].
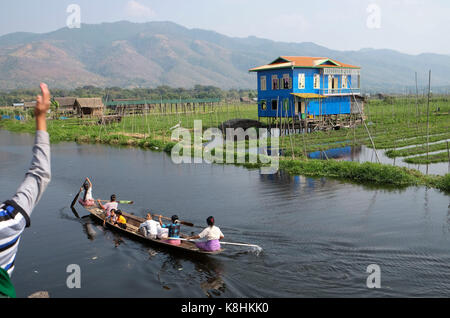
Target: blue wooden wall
[[329, 106]]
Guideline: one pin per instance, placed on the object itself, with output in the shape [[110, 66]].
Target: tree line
[[162, 92]]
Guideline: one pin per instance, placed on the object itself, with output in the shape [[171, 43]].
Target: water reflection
[[335, 153], [366, 154], [208, 273], [213, 285]]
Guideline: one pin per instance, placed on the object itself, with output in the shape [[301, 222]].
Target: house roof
[[29, 104], [303, 62], [65, 101], [89, 102]]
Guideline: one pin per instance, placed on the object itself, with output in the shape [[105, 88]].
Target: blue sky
[[410, 26]]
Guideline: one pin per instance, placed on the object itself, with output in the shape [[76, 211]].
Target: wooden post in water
[[428, 117], [448, 154], [417, 105]]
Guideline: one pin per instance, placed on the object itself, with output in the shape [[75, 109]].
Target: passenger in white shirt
[[149, 228], [87, 199], [212, 234]]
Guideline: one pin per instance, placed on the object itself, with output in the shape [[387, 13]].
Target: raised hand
[[42, 107]]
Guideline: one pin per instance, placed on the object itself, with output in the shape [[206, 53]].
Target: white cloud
[[137, 10]]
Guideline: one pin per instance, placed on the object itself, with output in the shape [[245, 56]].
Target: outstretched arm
[[101, 205], [38, 176], [89, 181], [31, 189]]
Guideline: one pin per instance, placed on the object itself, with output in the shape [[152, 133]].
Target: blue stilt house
[[306, 87]]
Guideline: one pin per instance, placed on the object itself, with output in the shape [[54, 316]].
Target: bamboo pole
[[290, 135], [428, 117], [417, 105], [367, 129], [448, 154]]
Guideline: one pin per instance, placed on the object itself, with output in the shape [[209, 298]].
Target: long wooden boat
[[132, 230]]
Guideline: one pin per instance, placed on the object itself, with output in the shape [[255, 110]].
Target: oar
[[120, 202], [241, 244], [75, 212], [169, 219], [76, 198], [224, 243]]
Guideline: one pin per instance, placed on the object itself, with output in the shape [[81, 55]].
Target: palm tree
[[54, 108]]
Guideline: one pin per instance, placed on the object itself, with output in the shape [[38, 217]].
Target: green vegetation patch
[[435, 158], [359, 172]]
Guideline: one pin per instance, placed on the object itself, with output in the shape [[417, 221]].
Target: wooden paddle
[[75, 212], [76, 198], [256, 247], [181, 222], [120, 202]]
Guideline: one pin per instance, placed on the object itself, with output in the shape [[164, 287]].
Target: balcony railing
[[339, 91]]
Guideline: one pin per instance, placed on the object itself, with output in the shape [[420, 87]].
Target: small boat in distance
[[132, 230]]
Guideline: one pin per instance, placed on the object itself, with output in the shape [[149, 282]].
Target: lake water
[[318, 235], [366, 154]]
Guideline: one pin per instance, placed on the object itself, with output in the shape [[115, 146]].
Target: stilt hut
[[66, 105], [89, 107], [310, 92]]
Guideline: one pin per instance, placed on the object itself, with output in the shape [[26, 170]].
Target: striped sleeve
[[14, 220]]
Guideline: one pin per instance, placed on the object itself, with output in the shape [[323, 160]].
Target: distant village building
[[29, 105], [306, 87], [89, 107], [66, 105]]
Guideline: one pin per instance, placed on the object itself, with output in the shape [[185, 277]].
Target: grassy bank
[[365, 173], [434, 158], [416, 150]]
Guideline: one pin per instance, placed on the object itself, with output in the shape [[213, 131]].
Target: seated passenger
[[162, 233], [108, 207], [174, 230], [112, 218], [212, 234], [121, 221], [149, 228]]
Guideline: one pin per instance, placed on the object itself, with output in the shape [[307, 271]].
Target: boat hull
[[133, 223]]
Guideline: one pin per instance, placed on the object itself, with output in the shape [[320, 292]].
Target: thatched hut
[[29, 105], [89, 107], [66, 104]]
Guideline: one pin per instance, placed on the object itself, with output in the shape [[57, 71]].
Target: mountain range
[[128, 55]]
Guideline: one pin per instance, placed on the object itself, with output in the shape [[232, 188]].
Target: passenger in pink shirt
[[112, 205]]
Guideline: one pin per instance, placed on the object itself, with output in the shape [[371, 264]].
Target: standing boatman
[[15, 213]]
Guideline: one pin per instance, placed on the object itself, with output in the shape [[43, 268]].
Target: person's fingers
[[39, 99], [45, 92]]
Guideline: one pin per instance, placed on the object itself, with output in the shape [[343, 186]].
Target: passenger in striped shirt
[[15, 213]]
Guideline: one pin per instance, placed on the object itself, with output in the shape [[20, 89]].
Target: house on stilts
[[309, 93]]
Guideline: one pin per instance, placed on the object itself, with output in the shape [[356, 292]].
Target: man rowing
[[111, 205], [174, 230], [87, 199], [212, 234]]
